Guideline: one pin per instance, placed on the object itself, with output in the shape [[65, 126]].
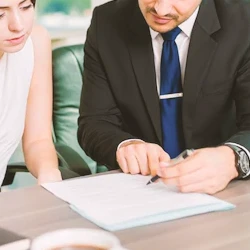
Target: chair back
[[67, 86]]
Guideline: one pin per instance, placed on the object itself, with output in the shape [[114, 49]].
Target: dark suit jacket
[[119, 98]]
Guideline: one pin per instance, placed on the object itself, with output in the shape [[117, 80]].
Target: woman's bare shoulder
[[41, 38]]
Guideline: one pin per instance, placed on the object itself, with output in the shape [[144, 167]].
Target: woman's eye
[[27, 7], [1, 15]]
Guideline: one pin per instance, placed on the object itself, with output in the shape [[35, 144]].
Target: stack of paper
[[119, 201]]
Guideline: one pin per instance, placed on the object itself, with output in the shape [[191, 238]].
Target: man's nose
[[16, 23], [163, 7]]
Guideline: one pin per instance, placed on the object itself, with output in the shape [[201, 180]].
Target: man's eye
[[1, 15]]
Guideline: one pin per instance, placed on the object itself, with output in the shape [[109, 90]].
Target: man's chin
[[162, 28]]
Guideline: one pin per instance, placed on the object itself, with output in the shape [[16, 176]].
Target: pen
[[179, 158]]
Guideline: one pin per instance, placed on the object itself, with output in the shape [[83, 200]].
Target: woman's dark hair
[[33, 1]]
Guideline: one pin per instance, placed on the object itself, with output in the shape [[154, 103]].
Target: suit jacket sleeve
[[100, 123], [241, 94]]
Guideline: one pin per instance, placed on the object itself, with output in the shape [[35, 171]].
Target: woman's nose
[[16, 23]]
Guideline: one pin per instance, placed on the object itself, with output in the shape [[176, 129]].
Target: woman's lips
[[17, 40]]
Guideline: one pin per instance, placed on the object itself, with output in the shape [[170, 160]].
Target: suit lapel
[[200, 54], [142, 58]]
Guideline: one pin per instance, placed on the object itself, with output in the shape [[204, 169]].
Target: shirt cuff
[[128, 141], [239, 146]]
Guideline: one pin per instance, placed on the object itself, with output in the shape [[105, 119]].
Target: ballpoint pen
[[179, 158]]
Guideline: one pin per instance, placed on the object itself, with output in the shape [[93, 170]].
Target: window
[[67, 21]]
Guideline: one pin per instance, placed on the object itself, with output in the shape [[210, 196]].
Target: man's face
[[16, 22], [164, 15]]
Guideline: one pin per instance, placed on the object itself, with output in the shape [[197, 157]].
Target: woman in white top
[[26, 91]]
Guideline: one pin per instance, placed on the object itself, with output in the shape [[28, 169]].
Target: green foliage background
[[65, 6]]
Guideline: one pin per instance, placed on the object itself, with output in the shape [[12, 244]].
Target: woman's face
[[16, 21]]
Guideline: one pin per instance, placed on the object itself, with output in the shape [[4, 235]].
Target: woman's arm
[[39, 151]]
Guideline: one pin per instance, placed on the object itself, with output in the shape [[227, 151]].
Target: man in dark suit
[[122, 115]]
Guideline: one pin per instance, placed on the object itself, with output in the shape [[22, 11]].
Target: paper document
[[119, 201]]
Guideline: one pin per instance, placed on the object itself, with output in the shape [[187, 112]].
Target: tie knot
[[172, 34]]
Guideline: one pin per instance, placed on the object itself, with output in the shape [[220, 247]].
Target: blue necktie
[[171, 108]]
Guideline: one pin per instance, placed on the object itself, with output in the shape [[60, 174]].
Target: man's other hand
[[138, 157], [207, 170]]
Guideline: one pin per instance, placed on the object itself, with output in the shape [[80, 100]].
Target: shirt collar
[[186, 26]]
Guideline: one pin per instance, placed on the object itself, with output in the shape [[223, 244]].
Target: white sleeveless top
[[16, 71]]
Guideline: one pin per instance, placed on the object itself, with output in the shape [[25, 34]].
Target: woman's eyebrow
[[7, 7], [22, 2]]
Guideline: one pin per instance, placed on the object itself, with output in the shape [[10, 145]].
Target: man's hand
[[138, 157], [208, 171]]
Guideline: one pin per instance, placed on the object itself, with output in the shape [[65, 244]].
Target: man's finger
[[153, 160], [199, 187], [188, 179], [142, 159], [164, 157], [187, 166], [122, 161], [132, 163]]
